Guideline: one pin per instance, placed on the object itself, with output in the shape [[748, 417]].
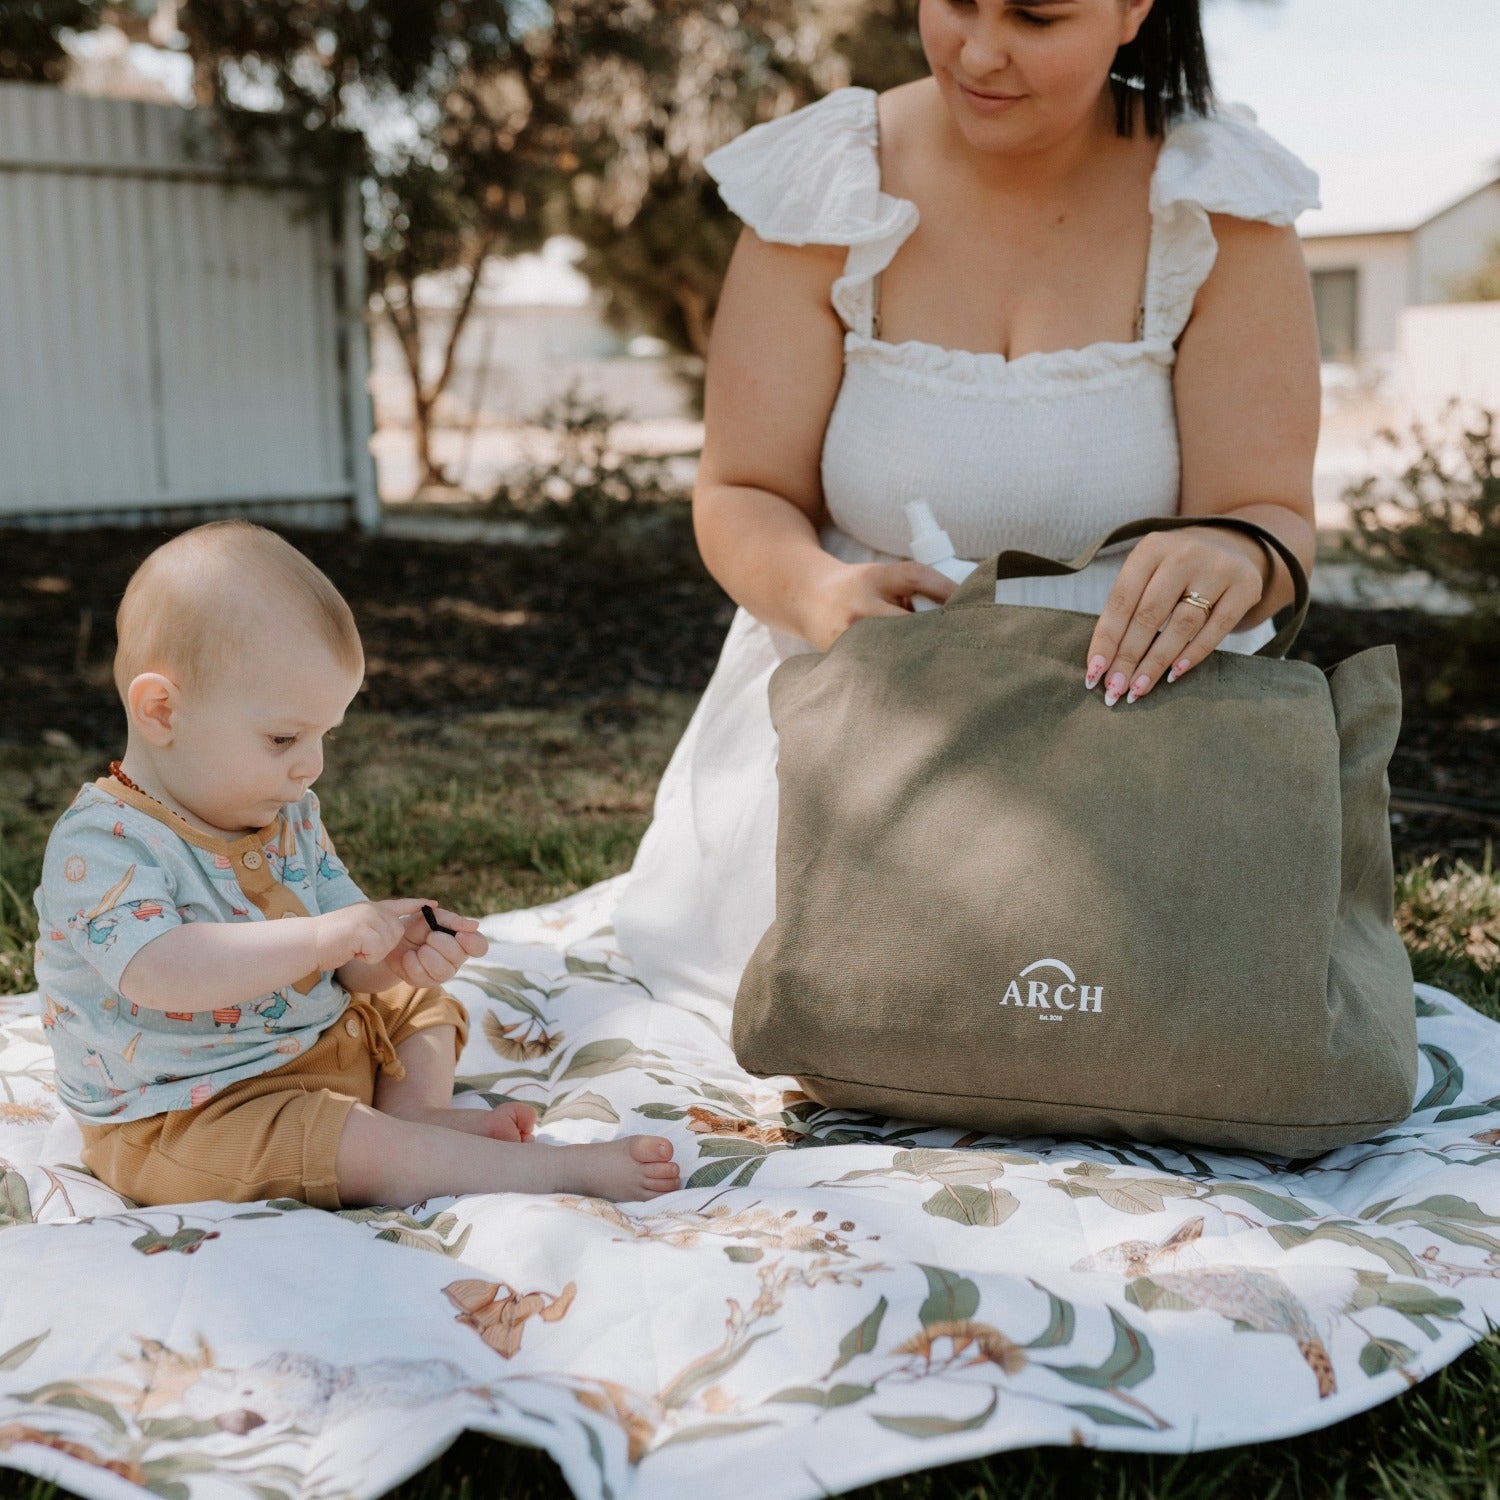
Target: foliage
[[440, 110], [587, 477], [1441, 515], [664, 86], [31, 49]]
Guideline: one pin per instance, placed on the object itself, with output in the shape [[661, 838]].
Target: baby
[[231, 1017]]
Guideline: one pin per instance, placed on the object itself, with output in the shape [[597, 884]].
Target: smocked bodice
[[1044, 451]]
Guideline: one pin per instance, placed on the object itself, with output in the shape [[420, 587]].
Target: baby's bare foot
[[628, 1170], [507, 1122]]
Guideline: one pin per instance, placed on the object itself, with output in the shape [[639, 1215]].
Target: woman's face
[[1020, 75]]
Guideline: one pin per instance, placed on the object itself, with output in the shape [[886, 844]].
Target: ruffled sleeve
[[1222, 163], [813, 178]]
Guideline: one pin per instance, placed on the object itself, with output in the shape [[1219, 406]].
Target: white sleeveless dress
[[1042, 452]]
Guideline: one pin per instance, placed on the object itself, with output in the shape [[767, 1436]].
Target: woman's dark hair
[[1164, 71]]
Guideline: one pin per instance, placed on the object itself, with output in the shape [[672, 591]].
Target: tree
[[661, 86], [443, 110], [31, 48]]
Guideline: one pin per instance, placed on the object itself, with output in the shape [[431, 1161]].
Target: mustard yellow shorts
[[275, 1135]]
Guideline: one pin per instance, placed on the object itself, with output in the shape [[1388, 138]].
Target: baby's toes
[[650, 1148]]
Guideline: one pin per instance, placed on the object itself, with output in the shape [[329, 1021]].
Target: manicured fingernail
[[1095, 672], [1178, 668], [1113, 689], [1138, 688]]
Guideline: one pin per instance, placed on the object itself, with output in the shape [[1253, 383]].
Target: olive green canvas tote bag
[[1003, 906]]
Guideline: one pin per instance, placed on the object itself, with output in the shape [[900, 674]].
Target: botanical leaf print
[[1447, 1078], [832, 1295]]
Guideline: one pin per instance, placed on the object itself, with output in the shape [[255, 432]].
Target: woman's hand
[[856, 591], [1148, 626]]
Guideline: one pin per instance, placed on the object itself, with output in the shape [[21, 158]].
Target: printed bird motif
[[291, 1389], [1134, 1258], [1253, 1298], [1260, 1300], [276, 1009]]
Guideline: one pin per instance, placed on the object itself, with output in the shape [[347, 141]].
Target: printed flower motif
[[705, 1122], [75, 868], [501, 1320], [25, 1114], [628, 1412], [991, 1346], [14, 1433], [520, 1041]]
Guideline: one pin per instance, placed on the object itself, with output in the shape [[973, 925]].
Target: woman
[[1051, 288]]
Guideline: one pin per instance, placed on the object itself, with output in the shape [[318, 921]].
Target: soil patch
[[452, 629]]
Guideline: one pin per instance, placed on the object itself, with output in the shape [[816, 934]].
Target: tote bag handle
[[979, 587]]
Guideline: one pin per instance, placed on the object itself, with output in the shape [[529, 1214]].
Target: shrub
[[1441, 514], [588, 477]]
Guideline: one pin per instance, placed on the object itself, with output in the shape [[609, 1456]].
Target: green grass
[[483, 813], [502, 810]]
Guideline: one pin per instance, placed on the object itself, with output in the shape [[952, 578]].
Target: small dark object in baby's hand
[[433, 922]]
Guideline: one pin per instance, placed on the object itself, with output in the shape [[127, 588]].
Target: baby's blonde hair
[[192, 609]]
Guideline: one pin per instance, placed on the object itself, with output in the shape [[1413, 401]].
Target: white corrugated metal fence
[[173, 333]]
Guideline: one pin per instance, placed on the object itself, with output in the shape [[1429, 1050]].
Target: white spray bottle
[[932, 545]]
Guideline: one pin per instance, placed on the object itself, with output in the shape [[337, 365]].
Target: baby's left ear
[[151, 703]]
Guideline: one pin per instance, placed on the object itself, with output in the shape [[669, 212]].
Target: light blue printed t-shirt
[[120, 870]]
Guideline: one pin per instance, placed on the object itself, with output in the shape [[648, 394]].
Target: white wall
[[1383, 264], [1450, 350], [172, 335], [1454, 244]]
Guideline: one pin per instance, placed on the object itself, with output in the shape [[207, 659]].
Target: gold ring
[[1197, 600]]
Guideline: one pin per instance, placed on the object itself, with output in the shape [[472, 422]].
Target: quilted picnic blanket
[[832, 1297]]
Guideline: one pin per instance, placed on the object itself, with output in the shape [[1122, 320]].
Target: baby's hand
[[367, 931], [427, 955]]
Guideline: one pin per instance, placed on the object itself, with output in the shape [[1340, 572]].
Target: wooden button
[[251, 860]]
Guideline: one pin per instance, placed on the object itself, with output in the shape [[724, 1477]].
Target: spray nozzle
[[929, 542]]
